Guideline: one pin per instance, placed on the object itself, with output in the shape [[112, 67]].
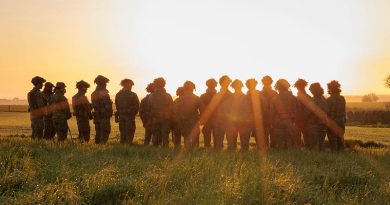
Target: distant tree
[[371, 97], [387, 81]]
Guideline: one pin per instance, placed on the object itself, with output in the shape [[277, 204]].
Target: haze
[[180, 40]]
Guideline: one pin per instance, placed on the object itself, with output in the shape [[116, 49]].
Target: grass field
[[355, 106], [40, 172]]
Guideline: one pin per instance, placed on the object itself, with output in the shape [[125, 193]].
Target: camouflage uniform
[[252, 97], [82, 111], [36, 108], [48, 130], [237, 121], [315, 128], [102, 106], [160, 104], [127, 106], [221, 100], [284, 109], [301, 118], [176, 132], [144, 113], [208, 128], [187, 111], [221, 118], [268, 94], [61, 112], [337, 112]]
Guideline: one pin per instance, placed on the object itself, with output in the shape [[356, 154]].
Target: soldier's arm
[[136, 104], [343, 108], [272, 114], [64, 100], [108, 104]]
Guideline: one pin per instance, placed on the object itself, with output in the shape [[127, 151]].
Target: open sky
[[70, 40]]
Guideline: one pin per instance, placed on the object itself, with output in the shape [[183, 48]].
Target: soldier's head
[[251, 84], [237, 85], [300, 84], [211, 83], [127, 84], [60, 87], [48, 87], [189, 86], [282, 85], [101, 81], [316, 89], [38, 81], [179, 91], [82, 86], [334, 87], [150, 88], [224, 81], [267, 80], [159, 82]]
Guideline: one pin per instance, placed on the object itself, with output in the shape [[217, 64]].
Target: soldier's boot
[[207, 136]]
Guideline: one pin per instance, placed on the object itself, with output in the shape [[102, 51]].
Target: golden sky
[[70, 40]]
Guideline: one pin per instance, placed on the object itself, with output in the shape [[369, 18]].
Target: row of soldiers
[[275, 119]]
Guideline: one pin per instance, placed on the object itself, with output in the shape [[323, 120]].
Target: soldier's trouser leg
[[148, 135], [245, 135], [84, 129], [220, 130], [156, 134], [48, 129], [191, 133], [321, 140], [176, 133], [127, 130], [336, 141], [98, 132], [37, 125], [272, 138], [207, 131], [61, 127], [231, 136], [105, 129], [262, 139], [165, 129]]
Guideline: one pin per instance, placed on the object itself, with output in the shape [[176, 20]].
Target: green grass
[[41, 172], [50, 173]]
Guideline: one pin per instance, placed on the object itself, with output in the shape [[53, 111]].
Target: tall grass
[[39, 172]]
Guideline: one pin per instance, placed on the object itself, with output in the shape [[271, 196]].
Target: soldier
[[176, 133], [82, 111], [102, 106], [144, 113], [220, 123], [268, 94], [36, 107], [284, 108], [316, 127], [237, 116], [61, 111], [48, 130], [127, 106], [160, 104], [336, 104], [187, 110], [257, 115], [303, 99], [208, 127]]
